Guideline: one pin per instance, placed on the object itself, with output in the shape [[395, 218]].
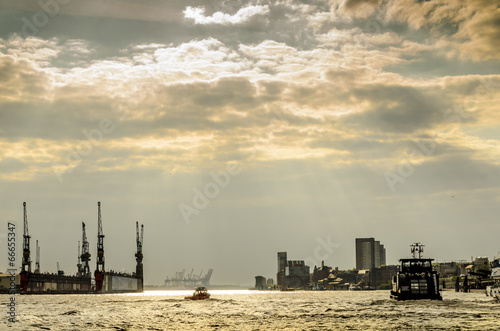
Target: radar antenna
[[417, 249]]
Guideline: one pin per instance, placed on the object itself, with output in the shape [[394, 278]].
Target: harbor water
[[251, 310]]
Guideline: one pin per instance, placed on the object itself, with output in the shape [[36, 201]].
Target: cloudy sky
[[236, 129]]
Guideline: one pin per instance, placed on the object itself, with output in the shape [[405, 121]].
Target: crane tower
[[26, 263], [85, 257], [37, 259], [25, 273], [99, 272], [79, 264], [138, 256]]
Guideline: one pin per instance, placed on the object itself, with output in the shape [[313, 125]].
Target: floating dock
[[35, 282]]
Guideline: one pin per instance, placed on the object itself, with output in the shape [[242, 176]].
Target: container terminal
[[182, 281], [36, 282]]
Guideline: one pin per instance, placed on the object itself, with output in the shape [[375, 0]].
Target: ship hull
[[409, 287], [34, 283], [402, 296], [56, 284], [121, 283]]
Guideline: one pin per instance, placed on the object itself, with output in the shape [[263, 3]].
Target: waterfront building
[[260, 283], [293, 273], [369, 253]]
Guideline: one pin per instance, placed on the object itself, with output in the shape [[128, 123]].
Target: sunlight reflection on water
[[254, 310]]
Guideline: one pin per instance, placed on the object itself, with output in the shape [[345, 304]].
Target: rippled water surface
[[248, 310]]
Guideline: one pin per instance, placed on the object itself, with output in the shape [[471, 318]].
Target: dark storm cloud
[[352, 4], [398, 109], [58, 120]]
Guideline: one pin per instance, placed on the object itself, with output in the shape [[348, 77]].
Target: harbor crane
[[139, 270], [37, 259], [79, 264], [99, 271], [85, 257], [26, 262]]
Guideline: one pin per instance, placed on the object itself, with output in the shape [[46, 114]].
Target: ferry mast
[[417, 249]]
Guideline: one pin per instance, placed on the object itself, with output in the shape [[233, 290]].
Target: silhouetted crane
[[37, 259], [85, 257], [79, 264], [26, 263], [138, 256], [99, 271]]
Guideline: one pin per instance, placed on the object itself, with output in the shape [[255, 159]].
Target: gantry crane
[[139, 271], [37, 259], [26, 261], [85, 257], [79, 264], [99, 271]]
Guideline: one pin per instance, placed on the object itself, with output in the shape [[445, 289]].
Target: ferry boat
[[494, 290], [200, 293], [415, 278]]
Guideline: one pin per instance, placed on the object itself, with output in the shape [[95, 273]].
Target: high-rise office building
[[376, 251], [369, 253], [382, 255], [365, 253], [281, 261]]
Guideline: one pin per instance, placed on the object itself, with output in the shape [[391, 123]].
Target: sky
[[234, 130]]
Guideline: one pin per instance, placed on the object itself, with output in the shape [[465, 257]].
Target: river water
[[252, 310]]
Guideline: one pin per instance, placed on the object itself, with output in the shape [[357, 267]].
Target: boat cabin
[[416, 265]]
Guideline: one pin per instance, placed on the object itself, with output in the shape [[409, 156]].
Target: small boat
[[287, 289], [415, 278], [200, 293]]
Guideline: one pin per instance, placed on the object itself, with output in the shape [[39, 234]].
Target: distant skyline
[[234, 130]]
